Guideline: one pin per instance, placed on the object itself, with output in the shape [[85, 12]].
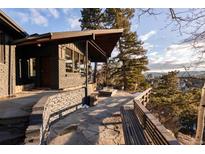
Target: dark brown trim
[[12, 24]]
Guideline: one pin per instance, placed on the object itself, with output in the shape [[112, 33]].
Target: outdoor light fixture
[[39, 45]]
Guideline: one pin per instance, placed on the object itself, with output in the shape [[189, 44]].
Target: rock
[[185, 139]]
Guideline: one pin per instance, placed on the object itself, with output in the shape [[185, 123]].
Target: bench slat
[[140, 127], [132, 129]]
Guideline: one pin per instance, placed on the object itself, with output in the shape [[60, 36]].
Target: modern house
[[57, 60]]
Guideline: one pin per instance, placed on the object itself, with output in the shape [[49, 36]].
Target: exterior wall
[[46, 58], [7, 71], [53, 50], [4, 79], [68, 80]]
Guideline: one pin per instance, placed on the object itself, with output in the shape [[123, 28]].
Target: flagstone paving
[[22, 103], [100, 124]]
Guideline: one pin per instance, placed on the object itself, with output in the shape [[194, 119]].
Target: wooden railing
[[142, 126], [143, 97], [154, 131]]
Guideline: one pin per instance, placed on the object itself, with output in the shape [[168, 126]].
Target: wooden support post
[[106, 73], [200, 120], [73, 60], [95, 72], [86, 73]]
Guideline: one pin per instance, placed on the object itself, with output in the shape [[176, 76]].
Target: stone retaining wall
[[59, 105]]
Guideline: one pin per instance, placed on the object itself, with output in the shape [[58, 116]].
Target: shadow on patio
[[100, 124]]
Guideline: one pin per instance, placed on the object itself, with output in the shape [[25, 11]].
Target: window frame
[[68, 70]]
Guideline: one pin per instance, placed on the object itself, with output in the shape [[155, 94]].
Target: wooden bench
[[133, 131], [141, 127]]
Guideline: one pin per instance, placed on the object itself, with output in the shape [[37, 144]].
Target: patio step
[[32, 136], [12, 130], [8, 138]]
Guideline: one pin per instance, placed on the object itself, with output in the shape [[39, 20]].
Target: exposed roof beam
[[98, 48]]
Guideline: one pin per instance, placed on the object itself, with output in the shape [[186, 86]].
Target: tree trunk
[[106, 74], [124, 76], [200, 120]]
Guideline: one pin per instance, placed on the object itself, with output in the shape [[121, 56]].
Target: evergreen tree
[[92, 18], [176, 109], [132, 56]]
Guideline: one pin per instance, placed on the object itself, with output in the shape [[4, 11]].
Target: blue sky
[[165, 52]]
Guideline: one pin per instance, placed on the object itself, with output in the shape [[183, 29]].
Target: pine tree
[[132, 55], [92, 18]]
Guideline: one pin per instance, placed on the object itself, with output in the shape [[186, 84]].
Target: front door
[[45, 71]]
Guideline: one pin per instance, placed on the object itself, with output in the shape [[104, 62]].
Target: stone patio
[[22, 103], [100, 124]]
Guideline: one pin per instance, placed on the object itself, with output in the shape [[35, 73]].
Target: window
[[68, 60], [20, 72], [32, 67], [2, 47], [82, 65], [76, 62]]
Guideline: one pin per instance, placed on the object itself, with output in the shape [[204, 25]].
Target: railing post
[[144, 121], [200, 120]]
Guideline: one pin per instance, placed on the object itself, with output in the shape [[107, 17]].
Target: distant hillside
[[200, 74]]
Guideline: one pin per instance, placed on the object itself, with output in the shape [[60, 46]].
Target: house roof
[[9, 25], [101, 42]]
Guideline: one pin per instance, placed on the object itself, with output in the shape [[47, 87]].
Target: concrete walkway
[[100, 124], [22, 104]]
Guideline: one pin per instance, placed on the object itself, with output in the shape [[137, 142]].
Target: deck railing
[[152, 130], [143, 97]]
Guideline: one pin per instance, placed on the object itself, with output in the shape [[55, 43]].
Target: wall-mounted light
[[39, 45]]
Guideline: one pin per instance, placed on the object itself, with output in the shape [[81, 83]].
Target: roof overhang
[[9, 25], [101, 42]]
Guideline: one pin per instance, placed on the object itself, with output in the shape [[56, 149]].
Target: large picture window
[[74, 60], [2, 47]]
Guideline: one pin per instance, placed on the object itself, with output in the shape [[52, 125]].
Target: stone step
[[32, 143], [14, 121], [32, 128], [35, 117], [33, 133], [35, 121], [8, 138], [37, 112], [32, 140], [13, 126], [38, 108], [14, 130]]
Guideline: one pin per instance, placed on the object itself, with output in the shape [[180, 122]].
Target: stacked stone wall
[[59, 105]]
